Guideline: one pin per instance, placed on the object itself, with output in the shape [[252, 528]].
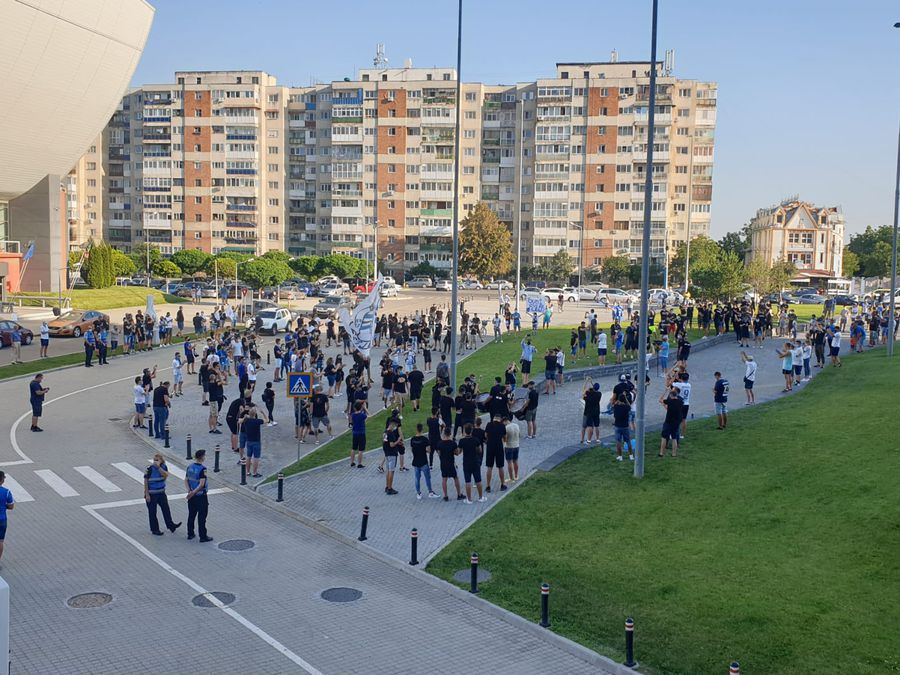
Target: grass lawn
[[776, 544], [43, 365], [106, 298], [486, 364]]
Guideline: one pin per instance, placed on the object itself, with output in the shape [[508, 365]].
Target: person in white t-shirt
[[797, 362], [140, 404], [251, 375], [601, 348], [835, 346], [45, 338], [749, 377], [684, 390], [177, 375]]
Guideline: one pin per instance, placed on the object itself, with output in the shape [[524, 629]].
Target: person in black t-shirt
[[447, 451], [419, 445], [319, 412], [590, 422], [674, 405], [434, 434], [472, 451], [531, 411], [494, 455], [414, 379]]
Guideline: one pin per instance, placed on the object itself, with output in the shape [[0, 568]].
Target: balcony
[[436, 195], [435, 231], [489, 194], [157, 120], [443, 99], [230, 206], [156, 224], [706, 102], [118, 156], [340, 99], [346, 120], [116, 190], [156, 153], [439, 139], [346, 211], [157, 138], [240, 137], [150, 102], [443, 213], [240, 172], [446, 174]]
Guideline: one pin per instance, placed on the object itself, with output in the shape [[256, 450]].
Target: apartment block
[[233, 161], [811, 237]]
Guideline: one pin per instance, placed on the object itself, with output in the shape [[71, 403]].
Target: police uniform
[[156, 488], [198, 505], [89, 343]]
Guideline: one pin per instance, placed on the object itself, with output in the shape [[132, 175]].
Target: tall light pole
[[891, 319], [521, 148], [645, 260], [375, 250], [454, 294], [690, 205]]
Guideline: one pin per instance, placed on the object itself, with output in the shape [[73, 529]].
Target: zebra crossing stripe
[[176, 471], [98, 479], [20, 494], [61, 487], [130, 471]]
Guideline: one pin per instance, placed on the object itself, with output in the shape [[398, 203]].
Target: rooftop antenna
[[380, 59], [614, 57], [669, 64]]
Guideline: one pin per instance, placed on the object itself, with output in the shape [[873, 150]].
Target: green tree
[[97, 270], [850, 265], [736, 242], [426, 269], [167, 269], [759, 275], [872, 247], [190, 260], [280, 256], [557, 267], [139, 256], [485, 245], [265, 272], [878, 262], [306, 266], [722, 279], [782, 272], [225, 266], [123, 266], [341, 265], [704, 254], [615, 269]]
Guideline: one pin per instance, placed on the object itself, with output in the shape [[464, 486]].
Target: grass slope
[[776, 543], [106, 298]]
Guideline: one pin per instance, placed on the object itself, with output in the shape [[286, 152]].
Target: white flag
[[361, 326]]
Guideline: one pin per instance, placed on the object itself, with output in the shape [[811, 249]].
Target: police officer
[[102, 342], [90, 342], [155, 494], [198, 504]]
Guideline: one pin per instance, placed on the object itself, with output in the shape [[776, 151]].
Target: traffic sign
[[299, 385]]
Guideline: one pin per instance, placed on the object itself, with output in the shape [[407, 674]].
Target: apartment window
[[198, 112], [392, 168], [684, 112], [198, 200], [196, 147], [198, 182], [198, 235], [92, 199], [273, 149], [91, 166], [469, 152], [468, 170], [198, 218], [470, 95], [470, 114], [468, 189], [273, 220], [197, 165], [92, 182], [391, 204], [272, 167], [469, 133], [686, 92]]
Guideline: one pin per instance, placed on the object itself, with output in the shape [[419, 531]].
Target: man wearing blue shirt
[[37, 391], [7, 503], [720, 394], [15, 338], [90, 342], [102, 340], [155, 495], [198, 503]]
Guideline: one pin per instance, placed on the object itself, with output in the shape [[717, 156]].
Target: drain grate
[[465, 576], [341, 594], [89, 600], [236, 545], [202, 601]]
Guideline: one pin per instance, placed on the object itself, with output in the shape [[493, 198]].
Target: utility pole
[[454, 294], [521, 148]]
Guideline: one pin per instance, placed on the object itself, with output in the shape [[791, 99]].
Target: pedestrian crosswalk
[[90, 482]]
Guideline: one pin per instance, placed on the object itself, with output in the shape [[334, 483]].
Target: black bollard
[[629, 643], [414, 547], [166, 443], [188, 454], [735, 668], [280, 488], [150, 426], [545, 605], [365, 524], [243, 471], [268, 358], [216, 461], [473, 582]]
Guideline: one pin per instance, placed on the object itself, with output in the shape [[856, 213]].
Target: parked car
[[209, 291], [811, 299], [238, 290], [529, 292], [499, 285], [844, 300], [389, 290], [471, 285], [580, 293], [553, 294], [330, 306], [536, 284], [187, 289], [75, 323], [303, 285], [334, 289], [6, 329], [290, 292], [421, 282], [611, 296], [170, 287], [271, 320], [658, 295], [443, 285]]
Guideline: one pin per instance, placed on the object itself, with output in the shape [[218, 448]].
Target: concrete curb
[[567, 645]]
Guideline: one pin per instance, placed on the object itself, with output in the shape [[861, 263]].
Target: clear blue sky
[[809, 90]]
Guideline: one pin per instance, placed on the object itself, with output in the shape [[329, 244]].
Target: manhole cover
[[89, 600], [465, 576], [341, 594], [203, 601], [236, 545]]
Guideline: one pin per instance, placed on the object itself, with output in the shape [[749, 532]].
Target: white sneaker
[[418, 495], [619, 458], [482, 499], [468, 501], [274, 423], [432, 495], [631, 457], [269, 424]]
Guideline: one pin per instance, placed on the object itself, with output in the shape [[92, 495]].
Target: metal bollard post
[[243, 471], [473, 581], [735, 668], [268, 358], [414, 547], [629, 643], [188, 453], [216, 464], [150, 426], [280, 488], [166, 444], [545, 605], [365, 524]]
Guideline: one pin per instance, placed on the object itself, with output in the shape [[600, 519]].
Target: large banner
[[535, 304], [361, 325]]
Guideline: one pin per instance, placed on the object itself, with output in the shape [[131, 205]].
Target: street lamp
[[580, 250], [521, 144], [645, 259], [891, 319], [454, 289]]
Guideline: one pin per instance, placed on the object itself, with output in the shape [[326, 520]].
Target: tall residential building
[[231, 161], [811, 237]]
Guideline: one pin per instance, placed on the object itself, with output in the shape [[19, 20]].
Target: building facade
[[811, 237], [232, 161]]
